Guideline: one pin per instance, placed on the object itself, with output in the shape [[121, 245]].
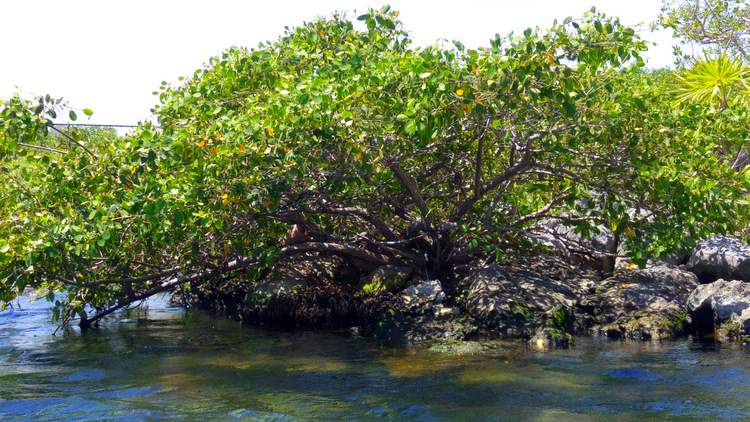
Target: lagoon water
[[168, 364]]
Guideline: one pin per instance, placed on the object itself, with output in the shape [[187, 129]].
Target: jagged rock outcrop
[[511, 301], [721, 308], [428, 292], [419, 314], [641, 304], [722, 257]]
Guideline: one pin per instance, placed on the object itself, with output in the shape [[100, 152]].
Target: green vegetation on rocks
[[342, 139]]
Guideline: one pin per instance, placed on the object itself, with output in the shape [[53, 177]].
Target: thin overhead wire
[[92, 125]]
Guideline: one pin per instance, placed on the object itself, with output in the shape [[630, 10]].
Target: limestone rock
[[721, 257], [721, 308], [515, 302], [641, 304], [418, 315], [426, 291]]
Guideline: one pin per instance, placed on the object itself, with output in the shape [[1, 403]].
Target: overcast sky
[[111, 55]]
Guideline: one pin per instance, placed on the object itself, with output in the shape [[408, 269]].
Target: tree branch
[[235, 265], [541, 213], [41, 148], [334, 248], [411, 186], [72, 141], [361, 213], [478, 159], [102, 282], [510, 172]]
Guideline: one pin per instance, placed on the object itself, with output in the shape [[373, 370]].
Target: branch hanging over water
[[171, 283]]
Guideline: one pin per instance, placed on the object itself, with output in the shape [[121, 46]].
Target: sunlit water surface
[[166, 364]]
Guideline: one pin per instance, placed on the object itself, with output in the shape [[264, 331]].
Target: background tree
[[713, 26]]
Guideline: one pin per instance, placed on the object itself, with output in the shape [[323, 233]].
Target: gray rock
[[641, 304], [515, 302], [674, 258], [426, 291], [293, 274], [624, 263], [725, 298], [721, 257], [445, 312], [415, 324], [425, 328], [580, 278], [417, 315], [722, 307]]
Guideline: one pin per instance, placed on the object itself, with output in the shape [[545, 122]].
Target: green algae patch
[[418, 364], [302, 405], [462, 347], [236, 361], [527, 377], [551, 338], [182, 381], [316, 364], [480, 375], [385, 279], [729, 331]]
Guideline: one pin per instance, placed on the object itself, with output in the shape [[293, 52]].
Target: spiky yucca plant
[[714, 80]]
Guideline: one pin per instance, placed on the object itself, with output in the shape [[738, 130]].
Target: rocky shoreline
[[546, 299]]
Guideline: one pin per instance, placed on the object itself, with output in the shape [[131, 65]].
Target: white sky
[[111, 55]]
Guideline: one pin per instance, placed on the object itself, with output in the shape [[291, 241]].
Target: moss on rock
[[551, 337]]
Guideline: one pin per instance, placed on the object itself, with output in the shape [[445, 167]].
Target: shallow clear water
[[165, 364]]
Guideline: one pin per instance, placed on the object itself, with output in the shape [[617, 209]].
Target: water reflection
[[165, 364]]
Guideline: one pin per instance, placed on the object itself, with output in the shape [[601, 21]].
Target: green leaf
[[411, 127], [569, 107]]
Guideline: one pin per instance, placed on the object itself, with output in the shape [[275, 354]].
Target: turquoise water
[[167, 364]]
